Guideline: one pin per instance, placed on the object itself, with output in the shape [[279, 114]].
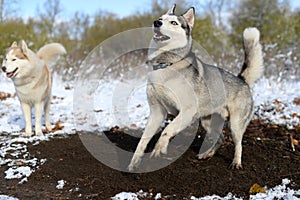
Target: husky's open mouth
[[158, 36], [11, 74]]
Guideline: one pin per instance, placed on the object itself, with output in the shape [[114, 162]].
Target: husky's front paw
[[28, 131], [131, 167], [134, 163], [27, 134], [155, 153], [161, 147], [39, 133]]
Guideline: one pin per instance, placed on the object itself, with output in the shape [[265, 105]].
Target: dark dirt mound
[[267, 159]]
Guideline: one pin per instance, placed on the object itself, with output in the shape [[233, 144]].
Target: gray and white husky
[[190, 89]]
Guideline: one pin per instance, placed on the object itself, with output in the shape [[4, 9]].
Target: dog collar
[[161, 66]]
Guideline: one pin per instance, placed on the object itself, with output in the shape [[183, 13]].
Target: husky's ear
[[24, 47], [172, 10], [189, 16], [14, 44]]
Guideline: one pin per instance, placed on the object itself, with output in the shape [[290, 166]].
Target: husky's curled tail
[[253, 67], [50, 52]]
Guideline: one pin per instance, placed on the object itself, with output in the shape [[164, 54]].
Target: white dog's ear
[[172, 10], [14, 44], [24, 47], [189, 16]]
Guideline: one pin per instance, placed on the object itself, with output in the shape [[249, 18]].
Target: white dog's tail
[[253, 67], [50, 52]]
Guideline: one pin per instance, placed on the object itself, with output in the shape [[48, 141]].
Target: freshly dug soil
[[267, 159]]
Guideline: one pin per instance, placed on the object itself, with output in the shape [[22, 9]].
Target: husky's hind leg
[[47, 114], [239, 120], [214, 138]]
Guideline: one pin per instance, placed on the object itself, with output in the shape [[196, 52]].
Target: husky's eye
[[13, 59], [174, 23]]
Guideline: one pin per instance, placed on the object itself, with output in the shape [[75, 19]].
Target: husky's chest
[[34, 89], [31, 94], [171, 89]]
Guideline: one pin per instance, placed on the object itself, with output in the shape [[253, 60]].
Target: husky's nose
[[157, 23], [4, 69]]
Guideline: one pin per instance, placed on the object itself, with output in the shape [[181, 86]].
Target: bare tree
[[216, 10], [8, 8], [50, 15], [80, 23]]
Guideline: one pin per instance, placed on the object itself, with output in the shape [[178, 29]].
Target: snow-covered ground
[[276, 102], [278, 192], [5, 197]]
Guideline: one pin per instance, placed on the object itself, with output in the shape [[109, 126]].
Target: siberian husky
[[32, 79], [182, 84]]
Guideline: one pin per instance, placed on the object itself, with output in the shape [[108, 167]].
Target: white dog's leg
[[27, 116], [157, 115], [182, 121], [47, 114], [38, 109]]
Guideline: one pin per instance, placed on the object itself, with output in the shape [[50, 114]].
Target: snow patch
[[60, 184], [125, 195], [132, 196], [278, 192], [18, 172], [4, 197]]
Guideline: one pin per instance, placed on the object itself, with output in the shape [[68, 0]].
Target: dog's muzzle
[[158, 36]]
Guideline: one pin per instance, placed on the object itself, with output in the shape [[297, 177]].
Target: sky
[[28, 8]]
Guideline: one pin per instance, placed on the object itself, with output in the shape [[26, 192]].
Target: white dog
[[32, 79]]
